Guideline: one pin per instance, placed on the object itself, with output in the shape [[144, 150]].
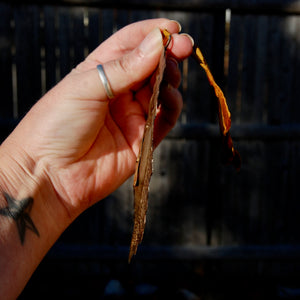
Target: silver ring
[[105, 82]]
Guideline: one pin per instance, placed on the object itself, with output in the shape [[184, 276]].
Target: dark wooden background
[[209, 228]]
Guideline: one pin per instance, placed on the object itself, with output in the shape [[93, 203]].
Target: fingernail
[[152, 42], [178, 24], [187, 35]]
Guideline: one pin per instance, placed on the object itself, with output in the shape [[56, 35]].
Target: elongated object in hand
[[143, 169]]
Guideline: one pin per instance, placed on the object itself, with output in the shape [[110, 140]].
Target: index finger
[[129, 37]]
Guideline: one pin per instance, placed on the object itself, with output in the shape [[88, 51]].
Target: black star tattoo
[[19, 211]]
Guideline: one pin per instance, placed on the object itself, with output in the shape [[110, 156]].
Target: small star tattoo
[[19, 211]]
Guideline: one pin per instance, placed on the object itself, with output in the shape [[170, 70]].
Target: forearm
[[30, 218]]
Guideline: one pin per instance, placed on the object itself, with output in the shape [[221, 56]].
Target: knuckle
[[123, 64]]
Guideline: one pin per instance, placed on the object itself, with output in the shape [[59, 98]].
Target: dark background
[[215, 232]]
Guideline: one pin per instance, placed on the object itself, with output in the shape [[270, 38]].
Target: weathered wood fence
[[200, 211]]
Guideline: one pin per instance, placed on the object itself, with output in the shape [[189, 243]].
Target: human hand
[[85, 144]]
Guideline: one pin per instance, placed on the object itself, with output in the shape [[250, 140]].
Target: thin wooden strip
[[144, 162]]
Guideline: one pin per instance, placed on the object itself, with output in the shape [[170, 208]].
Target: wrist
[[21, 178], [31, 217]]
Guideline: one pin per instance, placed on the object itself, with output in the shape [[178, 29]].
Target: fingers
[[181, 46], [137, 65], [123, 73], [129, 37], [133, 67], [130, 69], [172, 72], [168, 112], [170, 100], [172, 76]]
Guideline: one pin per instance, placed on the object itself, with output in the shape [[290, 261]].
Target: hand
[[85, 144]]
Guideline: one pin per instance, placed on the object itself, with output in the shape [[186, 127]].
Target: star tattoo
[[19, 211]]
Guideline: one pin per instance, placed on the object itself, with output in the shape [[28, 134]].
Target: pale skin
[[75, 146]]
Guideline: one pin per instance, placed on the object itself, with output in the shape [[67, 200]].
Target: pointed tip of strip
[[131, 254]]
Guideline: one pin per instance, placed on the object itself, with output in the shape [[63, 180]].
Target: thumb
[[122, 73]]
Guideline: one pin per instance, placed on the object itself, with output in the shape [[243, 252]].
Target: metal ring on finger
[[105, 82]]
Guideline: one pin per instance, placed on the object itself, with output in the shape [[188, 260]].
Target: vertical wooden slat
[[261, 66], [288, 48], [197, 191], [250, 60], [78, 36], [200, 26], [107, 23], [234, 69], [64, 28], [236, 204], [293, 206], [27, 41], [248, 68], [241, 210], [121, 18], [50, 42], [295, 90], [276, 191], [274, 107], [214, 201], [164, 203], [248, 63], [279, 58], [94, 30], [138, 15], [7, 109]]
